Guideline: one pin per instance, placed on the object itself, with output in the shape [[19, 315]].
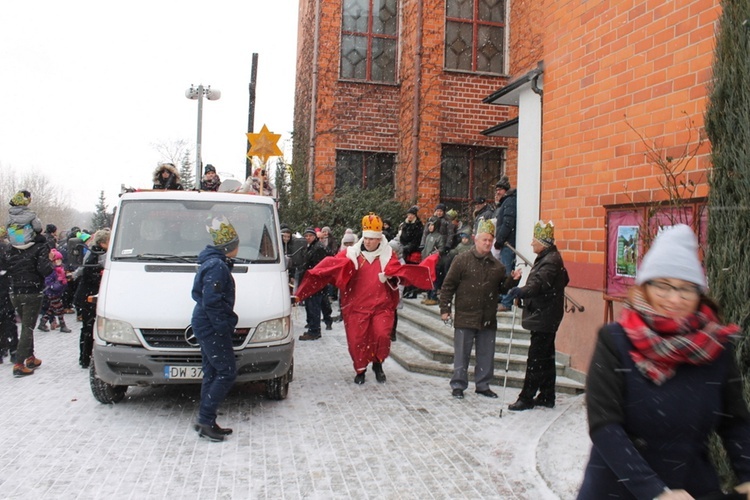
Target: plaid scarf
[[662, 343]]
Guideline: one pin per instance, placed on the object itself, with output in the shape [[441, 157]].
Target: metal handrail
[[526, 261]]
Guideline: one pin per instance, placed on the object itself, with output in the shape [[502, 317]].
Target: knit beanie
[[349, 237], [441, 206], [209, 168], [503, 183], [413, 210], [55, 255], [51, 228], [673, 254]]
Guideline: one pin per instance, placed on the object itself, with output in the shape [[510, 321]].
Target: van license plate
[[183, 372]]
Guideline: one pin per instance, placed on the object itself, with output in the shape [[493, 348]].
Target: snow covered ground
[[330, 438]]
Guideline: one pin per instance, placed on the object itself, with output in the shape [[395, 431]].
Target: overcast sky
[[88, 87]]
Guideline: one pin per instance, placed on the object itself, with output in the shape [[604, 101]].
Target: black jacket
[[544, 292], [505, 224], [411, 236], [28, 268], [91, 277], [314, 253]]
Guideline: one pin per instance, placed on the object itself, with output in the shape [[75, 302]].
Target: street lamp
[[198, 93]]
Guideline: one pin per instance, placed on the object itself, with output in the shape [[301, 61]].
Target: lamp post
[[198, 93]]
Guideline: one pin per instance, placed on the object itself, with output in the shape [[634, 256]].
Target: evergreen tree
[[101, 218], [728, 128], [727, 124], [186, 172]]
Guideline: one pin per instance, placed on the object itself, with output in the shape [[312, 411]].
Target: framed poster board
[[630, 230]]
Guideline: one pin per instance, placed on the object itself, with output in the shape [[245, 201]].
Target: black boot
[[359, 379], [521, 405], [378, 369], [224, 431], [209, 432]]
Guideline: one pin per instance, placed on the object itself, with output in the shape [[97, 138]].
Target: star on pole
[[263, 144]]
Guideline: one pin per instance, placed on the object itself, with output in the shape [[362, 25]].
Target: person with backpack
[[23, 224]]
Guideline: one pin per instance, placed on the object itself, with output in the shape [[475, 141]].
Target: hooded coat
[[214, 295], [171, 182]]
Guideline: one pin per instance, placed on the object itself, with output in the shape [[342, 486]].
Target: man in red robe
[[367, 274]]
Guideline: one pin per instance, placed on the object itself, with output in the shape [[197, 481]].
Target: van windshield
[[175, 230]]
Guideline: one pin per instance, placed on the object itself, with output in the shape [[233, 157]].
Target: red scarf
[[662, 343]]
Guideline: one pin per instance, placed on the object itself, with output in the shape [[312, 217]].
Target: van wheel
[[278, 388], [103, 392]]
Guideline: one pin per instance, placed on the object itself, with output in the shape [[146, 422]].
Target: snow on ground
[[330, 438]]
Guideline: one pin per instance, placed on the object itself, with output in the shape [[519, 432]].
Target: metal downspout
[[417, 104], [313, 106]]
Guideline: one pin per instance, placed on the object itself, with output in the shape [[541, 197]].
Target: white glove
[[382, 277]]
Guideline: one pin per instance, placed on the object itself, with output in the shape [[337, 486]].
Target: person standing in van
[[213, 323]]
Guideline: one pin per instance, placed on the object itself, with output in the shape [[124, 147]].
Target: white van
[[143, 335]]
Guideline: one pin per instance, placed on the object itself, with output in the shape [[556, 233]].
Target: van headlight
[[115, 331], [274, 329]]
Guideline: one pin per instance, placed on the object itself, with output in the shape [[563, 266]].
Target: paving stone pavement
[[329, 439]]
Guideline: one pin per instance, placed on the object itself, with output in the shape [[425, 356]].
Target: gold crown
[[545, 233], [486, 226], [372, 222], [452, 213], [222, 231]]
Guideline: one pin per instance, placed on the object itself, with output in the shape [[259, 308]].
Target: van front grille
[[176, 339]]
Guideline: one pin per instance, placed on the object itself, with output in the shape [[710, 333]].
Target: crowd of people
[[45, 274]]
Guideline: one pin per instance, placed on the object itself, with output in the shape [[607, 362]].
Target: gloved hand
[[515, 293], [382, 277]]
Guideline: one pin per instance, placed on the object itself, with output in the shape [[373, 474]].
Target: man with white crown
[[367, 274]]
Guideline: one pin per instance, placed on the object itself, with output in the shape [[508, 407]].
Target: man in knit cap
[[476, 279], [367, 274], [543, 300], [213, 322]]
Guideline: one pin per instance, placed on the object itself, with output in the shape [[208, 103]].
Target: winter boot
[[378, 369], [42, 325], [63, 327], [19, 370], [359, 379], [32, 362]]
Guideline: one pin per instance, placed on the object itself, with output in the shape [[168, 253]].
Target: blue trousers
[[219, 374], [313, 306], [508, 259]]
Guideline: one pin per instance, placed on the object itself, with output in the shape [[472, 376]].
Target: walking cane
[[507, 360]]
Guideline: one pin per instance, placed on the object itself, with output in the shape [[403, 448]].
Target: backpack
[[20, 235]]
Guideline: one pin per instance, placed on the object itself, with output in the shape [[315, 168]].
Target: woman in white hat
[[662, 379]]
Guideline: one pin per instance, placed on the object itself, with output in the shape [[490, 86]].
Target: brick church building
[[587, 106]]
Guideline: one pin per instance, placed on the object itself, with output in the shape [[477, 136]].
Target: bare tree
[[172, 151]]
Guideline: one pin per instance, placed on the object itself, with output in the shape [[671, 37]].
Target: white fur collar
[[384, 252]]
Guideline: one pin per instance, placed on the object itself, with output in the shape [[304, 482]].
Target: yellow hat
[[223, 233], [545, 233], [486, 226], [372, 226]]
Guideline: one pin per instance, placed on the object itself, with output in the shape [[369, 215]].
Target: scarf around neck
[[662, 343]]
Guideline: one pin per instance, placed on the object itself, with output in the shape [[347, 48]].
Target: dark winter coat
[[314, 253], [7, 313], [331, 245], [411, 236], [91, 276], [476, 281], [28, 268], [505, 220], [544, 292], [295, 250], [647, 437], [214, 295], [210, 184]]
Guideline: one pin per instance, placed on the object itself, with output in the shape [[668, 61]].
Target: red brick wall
[[607, 65]]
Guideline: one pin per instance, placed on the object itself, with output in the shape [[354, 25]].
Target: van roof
[[161, 194]]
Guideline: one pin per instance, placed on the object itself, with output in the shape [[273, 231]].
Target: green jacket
[[476, 281]]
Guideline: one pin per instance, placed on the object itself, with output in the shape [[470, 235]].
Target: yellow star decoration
[[264, 144]]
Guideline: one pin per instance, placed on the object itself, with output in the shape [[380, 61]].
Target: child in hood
[[23, 224], [55, 285]]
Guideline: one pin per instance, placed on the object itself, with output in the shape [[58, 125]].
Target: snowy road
[[329, 439]]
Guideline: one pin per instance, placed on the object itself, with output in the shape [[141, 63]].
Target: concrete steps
[[425, 345]]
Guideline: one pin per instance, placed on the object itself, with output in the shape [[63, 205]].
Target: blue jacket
[[213, 293]]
